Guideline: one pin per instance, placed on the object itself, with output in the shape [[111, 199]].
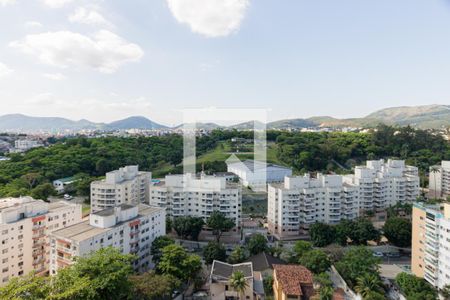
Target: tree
[[315, 260], [219, 224], [326, 293], [445, 292], [188, 226], [415, 288], [321, 234], [355, 263], [175, 261], [157, 245], [367, 284], [239, 283], [31, 179], [363, 231], [237, 256], [27, 287], [257, 244], [101, 275], [398, 231], [434, 170], [43, 191], [300, 248], [214, 251], [151, 286], [268, 285], [169, 225]]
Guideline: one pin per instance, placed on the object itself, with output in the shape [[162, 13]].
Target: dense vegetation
[[415, 288], [31, 173]]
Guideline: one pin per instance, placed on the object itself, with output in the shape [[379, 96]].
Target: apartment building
[[383, 184], [188, 195], [430, 256], [440, 180], [127, 185], [25, 224], [25, 145], [302, 200], [129, 228]]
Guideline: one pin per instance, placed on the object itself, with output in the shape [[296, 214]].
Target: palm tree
[[367, 284], [238, 283], [434, 170], [326, 293]]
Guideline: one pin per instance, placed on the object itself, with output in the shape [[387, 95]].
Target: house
[[219, 284], [264, 262], [292, 282], [62, 184]]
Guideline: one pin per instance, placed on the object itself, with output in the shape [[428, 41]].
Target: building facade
[[188, 195], [256, 174], [301, 201], [383, 184], [25, 225], [440, 181], [129, 228], [431, 244], [127, 185]]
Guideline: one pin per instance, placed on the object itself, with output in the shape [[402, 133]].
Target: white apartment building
[[383, 184], [188, 195], [25, 224], [127, 185], [129, 228], [431, 244], [302, 200], [440, 180], [25, 145], [256, 174]]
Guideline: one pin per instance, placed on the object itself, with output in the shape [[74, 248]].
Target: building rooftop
[[253, 165], [222, 270], [264, 261], [295, 280], [111, 211], [84, 230], [66, 179]]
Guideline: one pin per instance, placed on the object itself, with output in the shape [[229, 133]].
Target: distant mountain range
[[428, 116]]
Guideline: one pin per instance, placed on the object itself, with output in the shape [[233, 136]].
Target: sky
[[104, 60]]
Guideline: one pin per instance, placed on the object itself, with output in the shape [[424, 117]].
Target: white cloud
[[54, 76], [4, 70], [33, 24], [212, 18], [7, 2], [42, 99], [104, 51], [56, 3], [89, 16]]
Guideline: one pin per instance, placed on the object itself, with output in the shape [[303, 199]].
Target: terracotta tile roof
[[339, 294], [295, 280]]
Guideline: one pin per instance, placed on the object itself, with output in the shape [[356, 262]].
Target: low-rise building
[[292, 282], [129, 228], [127, 185], [430, 247], [25, 225], [301, 201], [62, 185], [256, 174], [188, 195], [221, 288], [439, 184]]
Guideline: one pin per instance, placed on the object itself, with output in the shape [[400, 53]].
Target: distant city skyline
[[108, 60]]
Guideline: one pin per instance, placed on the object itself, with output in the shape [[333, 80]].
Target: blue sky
[[105, 60]]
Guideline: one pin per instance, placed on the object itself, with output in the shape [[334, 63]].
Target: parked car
[[67, 197], [378, 254]]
